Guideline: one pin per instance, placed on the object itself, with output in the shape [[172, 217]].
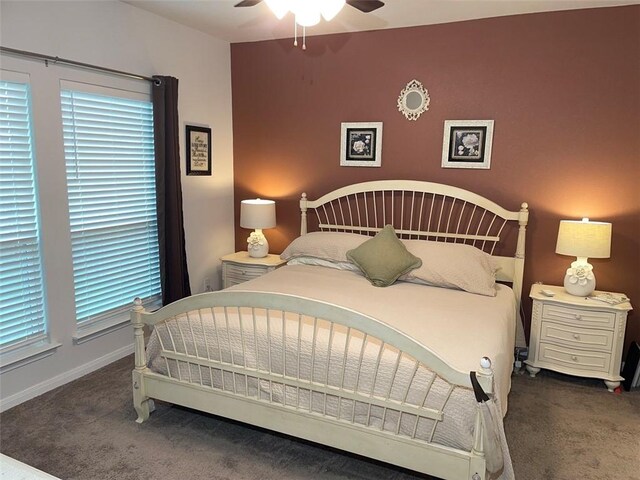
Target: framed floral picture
[[467, 144], [361, 145]]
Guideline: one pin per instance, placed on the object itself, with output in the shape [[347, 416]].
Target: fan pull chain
[[295, 35]]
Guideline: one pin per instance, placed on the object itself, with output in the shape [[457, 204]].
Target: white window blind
[[22, 312], [109, 156]]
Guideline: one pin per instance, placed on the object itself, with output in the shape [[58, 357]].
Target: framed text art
[[467, 144], [198, 141], [361, 145]]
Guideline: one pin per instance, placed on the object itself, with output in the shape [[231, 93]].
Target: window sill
[[89, 332], [28, 354], [110, 322]]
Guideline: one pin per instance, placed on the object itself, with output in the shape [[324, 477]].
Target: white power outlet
[[207, 284]]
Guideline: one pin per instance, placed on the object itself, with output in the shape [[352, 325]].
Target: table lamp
[[583, 239], [257, 214]]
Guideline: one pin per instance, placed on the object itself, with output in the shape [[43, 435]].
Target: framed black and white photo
[[198, 141], [467, 144], [361, 144]]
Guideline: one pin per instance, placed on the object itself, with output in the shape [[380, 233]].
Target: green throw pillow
[[383, 258]]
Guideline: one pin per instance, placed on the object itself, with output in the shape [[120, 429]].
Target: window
[[110, 169], [22, 298]]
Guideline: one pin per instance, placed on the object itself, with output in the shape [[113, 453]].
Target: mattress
[[457, 326]]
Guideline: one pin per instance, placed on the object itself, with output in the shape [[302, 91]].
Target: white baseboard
[[63, 378]]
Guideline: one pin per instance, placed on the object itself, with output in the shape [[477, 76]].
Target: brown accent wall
[[563, 89]]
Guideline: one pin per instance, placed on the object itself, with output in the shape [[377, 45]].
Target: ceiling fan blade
[[247, 3], [366, 6]]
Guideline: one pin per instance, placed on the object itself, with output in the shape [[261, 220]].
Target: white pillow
[[448, 265], [329, 246], [320, 262], [452, 265]]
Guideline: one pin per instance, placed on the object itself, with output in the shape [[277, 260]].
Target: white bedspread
[[459, 327]]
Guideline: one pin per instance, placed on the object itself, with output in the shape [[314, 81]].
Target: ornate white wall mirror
[[413, 100]]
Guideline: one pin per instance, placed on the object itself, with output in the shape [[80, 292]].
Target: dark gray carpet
[[558, 428]]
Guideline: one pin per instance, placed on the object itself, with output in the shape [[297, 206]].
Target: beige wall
[[563, 89], [116, 35]]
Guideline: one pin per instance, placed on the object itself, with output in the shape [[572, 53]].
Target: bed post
[[303, 214], [518, 274], [477, 465], [142, 404]]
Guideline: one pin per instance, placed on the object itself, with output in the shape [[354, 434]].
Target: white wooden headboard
[[423, 210]]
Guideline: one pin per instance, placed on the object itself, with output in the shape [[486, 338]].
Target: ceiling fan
[[307, 13], [365, 6]]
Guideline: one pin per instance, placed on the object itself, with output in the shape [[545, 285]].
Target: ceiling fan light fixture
[[279, 7], [308, 19], [330, 8], [307, 12]]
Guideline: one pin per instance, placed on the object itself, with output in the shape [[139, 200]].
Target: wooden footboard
[[308, 369]]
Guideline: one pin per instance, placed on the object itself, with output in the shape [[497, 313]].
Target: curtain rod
[[64, 61]]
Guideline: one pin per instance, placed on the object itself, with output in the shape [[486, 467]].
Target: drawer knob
[[574, 358], [576, 336]]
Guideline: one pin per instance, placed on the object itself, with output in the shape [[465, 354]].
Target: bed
[[314, 350]]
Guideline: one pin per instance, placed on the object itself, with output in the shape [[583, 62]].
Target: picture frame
[[467, 144], [198, 144], [361, 144]]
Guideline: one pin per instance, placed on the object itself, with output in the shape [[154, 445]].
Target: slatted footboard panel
[[311, 364]]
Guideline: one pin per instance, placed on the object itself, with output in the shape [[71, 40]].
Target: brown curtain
[[174, 276]]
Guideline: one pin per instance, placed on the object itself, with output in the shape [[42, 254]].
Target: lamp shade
[[584, 238], [257, 213]]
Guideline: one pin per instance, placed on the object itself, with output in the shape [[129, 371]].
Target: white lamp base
[[580, 280], [257, 244]]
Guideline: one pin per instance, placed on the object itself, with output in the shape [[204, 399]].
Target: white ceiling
[[220, 19]]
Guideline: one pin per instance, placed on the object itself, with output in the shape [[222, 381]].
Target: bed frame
[[416, 210]]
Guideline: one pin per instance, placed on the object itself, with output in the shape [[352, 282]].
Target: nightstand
[[239, 267], [576, 335]]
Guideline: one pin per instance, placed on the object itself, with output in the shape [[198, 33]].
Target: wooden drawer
[[579, 317], [587, 361], [235, 273], [585, 338]]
